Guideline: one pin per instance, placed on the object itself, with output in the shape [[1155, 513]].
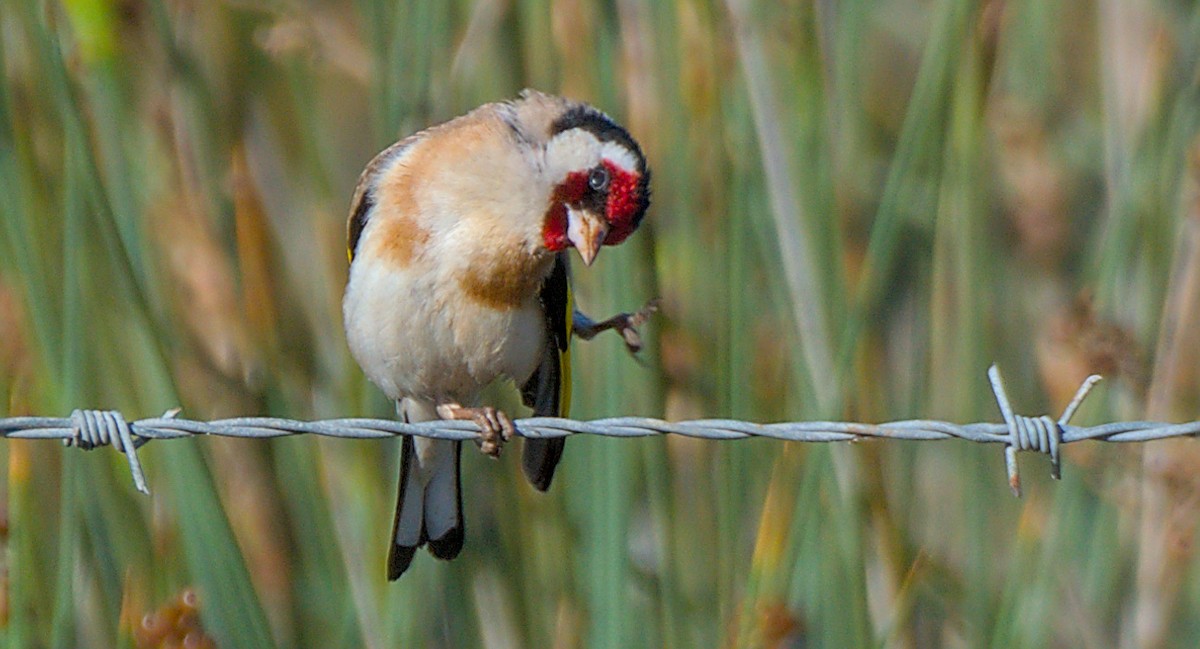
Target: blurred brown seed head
[[15, 355], [205, 295], [175, 624], [1036, 184], [1077, 342], [780, 627], [322, 37], [775, 627]]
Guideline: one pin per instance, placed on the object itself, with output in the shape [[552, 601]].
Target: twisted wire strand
[[89, 429]]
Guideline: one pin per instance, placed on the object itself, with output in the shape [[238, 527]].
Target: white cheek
[[575, 232], [571, 151], [619, 156]]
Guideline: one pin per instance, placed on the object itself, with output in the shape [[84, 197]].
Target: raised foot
[[625, 324], [495, 427]]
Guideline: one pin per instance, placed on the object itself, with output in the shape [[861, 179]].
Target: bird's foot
[[495, 427], [625, 324]]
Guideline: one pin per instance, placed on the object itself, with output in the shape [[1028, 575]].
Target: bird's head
[[601, 185]]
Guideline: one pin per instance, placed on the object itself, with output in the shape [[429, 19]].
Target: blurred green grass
[[857, 207]]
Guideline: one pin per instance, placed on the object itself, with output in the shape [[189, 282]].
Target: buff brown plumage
[[458, 239]]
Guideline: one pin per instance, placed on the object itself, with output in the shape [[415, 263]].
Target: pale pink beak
[[586, 232]]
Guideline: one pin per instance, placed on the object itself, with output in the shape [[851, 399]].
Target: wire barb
[[94, 428], [1040, 434]]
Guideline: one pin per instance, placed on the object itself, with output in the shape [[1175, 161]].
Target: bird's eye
[[598, 179]]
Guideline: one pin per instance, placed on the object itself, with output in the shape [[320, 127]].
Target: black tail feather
[[539, 460], [451, 542], [400, 556]]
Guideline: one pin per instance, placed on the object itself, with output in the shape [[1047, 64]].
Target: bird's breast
[[430, 332], [504, 279]]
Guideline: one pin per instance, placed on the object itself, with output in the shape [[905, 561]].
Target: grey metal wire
[[88, 429]]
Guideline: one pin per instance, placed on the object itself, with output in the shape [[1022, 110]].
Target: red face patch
[[623, 206], [572, 189], [554, 228], [625, 203]]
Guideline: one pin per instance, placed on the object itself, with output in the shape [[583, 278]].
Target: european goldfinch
[[458, 240]]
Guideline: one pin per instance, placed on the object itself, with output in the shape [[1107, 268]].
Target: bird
[[459, 238]]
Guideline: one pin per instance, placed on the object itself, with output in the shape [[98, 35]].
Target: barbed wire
[[88, 429]]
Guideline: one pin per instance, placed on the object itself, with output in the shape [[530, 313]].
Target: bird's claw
[[625, 324], [495, 427]]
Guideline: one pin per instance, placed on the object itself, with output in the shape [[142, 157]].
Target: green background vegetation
[[857, 207]]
